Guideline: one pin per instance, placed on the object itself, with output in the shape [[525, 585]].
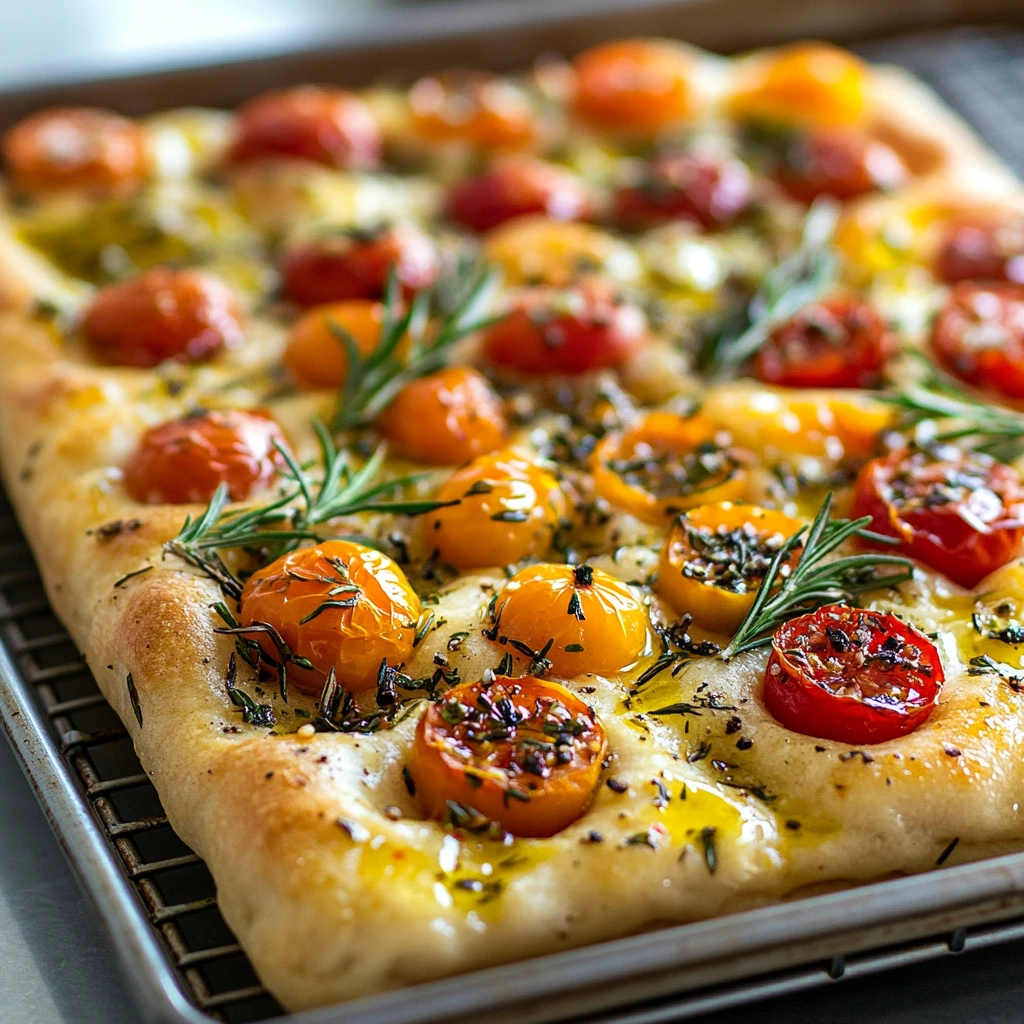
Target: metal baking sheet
[[156, 899]]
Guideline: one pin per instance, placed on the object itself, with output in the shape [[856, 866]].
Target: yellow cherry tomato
[[581, 619], [509, 507], [537, 250], [316, 356], [808, 83], [715, 557], [664, 464]]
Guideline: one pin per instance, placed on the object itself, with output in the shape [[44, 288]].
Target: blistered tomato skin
[[318, 125], [981, 248], [568, 331], [299, 596], [351, 266], [665, 464], [636, 87], [961, 514], [716, 556], [979, 336], [525, 753], [183, 315], [709, 191], [508, 508], [445, 419], [583, 620], [185, 460], [852, 675], [839, 342], [75, 148], [841, 163], [316, 356], [513, 187]]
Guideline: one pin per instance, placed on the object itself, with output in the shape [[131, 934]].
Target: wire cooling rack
[[978, 71]]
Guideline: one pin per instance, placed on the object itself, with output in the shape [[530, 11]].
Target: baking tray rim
[[684, 947]]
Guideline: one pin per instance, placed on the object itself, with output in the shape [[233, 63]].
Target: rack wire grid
[[980, 72]]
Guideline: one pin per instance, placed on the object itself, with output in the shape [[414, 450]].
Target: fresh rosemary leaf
[[813, 581]]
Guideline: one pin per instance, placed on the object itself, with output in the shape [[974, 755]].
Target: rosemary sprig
[[813, 581], [280, 525], [804, 276], [938, 411], [372, 381]]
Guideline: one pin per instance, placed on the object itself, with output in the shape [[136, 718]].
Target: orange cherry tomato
[[715, 558], [979, 336], [982, 247], [75, 148], [185, 460], [580, 619], [634, 87], [839, 342], [356, 265], [515, 186], [839, 162], [337, 605], [317, 124], [316, 355], [524, 753], [572, 330], [808, 83], [162, 314], [665, 464], [709, 191], [508, 508], [446, 418], [481, 110]]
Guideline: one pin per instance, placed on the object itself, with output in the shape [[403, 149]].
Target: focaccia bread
[[604, 336]]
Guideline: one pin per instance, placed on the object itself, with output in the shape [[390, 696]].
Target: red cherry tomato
[[513, 187], [75, 147], [356, 265], [851, 675], [960, 513], [572, 330], [839, 162], [979, 336], [710, 191], [162, 314], [185, 460], [982, 248], [321, 125], [839, 342]]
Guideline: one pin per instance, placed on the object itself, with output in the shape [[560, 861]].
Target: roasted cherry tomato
[[316, 354], [808, 83], [572, 330], [665, 464], [515, 186], [481, 110], [838, 342], [960, 513], [715, 558], [319, 125], [185, 460], [162, 314], [710, 191], [524, 753], [981, 248], [538, 250], [75, 148], [356, 265], [635, 87], [337, 605], [508, 508], [578, 618], [839, 162], [979, 335], [852, 675], [446, 418]]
